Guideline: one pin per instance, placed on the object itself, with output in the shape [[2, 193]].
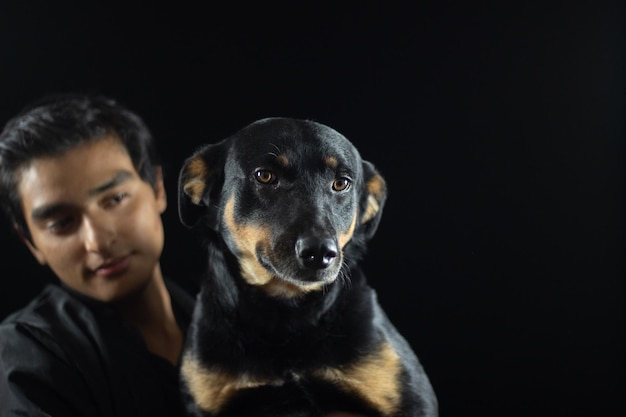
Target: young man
[[81, 183]]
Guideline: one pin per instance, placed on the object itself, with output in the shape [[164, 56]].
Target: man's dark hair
[[55, 124]]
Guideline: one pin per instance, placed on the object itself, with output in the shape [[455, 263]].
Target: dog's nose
[[315, 252]]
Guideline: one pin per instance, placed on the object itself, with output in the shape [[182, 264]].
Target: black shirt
[[68, 355]]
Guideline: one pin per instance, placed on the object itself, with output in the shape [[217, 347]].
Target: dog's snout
[[315, 252]]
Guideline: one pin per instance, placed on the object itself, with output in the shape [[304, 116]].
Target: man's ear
[[159, 189], [30, 245]]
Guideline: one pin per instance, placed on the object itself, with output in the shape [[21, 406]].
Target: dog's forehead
[[292, 141]]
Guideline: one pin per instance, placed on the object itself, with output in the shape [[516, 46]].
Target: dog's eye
[[264, 176], [341, 184]]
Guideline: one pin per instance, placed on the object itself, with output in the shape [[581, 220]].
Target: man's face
[[92, 219]]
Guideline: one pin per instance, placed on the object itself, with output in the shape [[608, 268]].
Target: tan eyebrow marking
[[282, 160]]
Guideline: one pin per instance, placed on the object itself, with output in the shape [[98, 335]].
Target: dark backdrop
[[499, 128]]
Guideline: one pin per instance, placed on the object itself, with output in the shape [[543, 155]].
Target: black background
[[498, 126]]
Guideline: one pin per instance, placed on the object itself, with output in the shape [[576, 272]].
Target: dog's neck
[[240, 316]]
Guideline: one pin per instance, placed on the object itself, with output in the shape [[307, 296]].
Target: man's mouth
[[113, 267]]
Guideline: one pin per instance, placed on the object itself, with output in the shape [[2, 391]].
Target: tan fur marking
[[196, 173], [283, 160], [374, 378], [194, 189], [344, 238], [332, 162], [376, 190], [371, 209], [281, 288], [376, 186], [211, 390], [246, 238]]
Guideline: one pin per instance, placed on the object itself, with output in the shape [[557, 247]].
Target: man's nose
[[98, 234]]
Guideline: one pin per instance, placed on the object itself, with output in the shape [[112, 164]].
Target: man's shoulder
[[50, 314], [57, 326], [40, 308], [35, 328]]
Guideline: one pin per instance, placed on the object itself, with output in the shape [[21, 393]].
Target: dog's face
[[287, 196]]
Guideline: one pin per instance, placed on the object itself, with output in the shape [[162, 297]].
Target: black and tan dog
[[285, 323]]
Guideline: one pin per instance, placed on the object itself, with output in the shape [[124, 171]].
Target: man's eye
[[60, 225], [117, 199]]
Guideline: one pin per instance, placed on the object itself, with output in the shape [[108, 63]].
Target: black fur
[[285, 323]]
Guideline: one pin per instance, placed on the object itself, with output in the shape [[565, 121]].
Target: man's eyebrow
[[118, 178], [45, 212]]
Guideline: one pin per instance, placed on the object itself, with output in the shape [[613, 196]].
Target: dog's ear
[[373, 196], [199, 183]]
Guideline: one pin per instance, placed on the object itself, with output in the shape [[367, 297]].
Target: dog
[[285, 323]]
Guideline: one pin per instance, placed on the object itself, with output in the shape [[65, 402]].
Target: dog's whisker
[[344, 276], [274, 154], [275, 147]]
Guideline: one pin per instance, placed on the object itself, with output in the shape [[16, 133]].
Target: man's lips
[[113, 267]]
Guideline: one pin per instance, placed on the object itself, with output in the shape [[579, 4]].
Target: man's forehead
[[77, 173]]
